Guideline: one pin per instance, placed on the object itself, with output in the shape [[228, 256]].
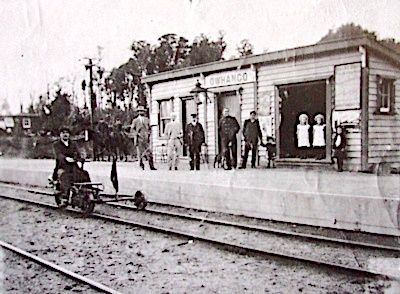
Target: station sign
[[230, 78]]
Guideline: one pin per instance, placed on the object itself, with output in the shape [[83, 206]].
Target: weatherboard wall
[[303, 70], [383, 129]]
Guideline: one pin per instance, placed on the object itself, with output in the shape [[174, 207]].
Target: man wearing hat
[[194, 138], [66, 154], [140, 132], [251, 133], [228, 128]]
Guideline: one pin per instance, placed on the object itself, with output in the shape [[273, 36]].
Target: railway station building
[[353, 82]]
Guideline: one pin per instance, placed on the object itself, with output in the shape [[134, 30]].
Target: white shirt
[[303, 138], [338, 141], [319, 136], [173, 130], [66, 143]]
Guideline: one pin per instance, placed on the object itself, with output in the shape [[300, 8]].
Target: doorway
[[189, 107], [231, 101], [302, 98]]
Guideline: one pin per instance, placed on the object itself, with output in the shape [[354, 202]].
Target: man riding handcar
[[67, 170]]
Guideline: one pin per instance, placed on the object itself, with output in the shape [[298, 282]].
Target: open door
[[229, 100]]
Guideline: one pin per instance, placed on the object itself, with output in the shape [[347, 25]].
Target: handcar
[[84, 194]]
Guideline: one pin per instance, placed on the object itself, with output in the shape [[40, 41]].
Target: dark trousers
[[319, 152], [149, 157], [247, 147], [339, 154], [194, 160], [70, 175], [230, 161]]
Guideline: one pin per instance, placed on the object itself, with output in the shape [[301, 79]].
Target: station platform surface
[[354, 201]]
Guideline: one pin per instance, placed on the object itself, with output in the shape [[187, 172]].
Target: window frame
[[386, 95], [26, 123], [161, 126]]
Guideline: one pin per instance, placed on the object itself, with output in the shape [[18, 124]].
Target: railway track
[[54, 267], [264, 229], [232, 246]]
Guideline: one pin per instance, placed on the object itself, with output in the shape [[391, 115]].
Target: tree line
[[169, 53]]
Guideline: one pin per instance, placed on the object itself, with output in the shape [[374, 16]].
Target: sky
[[43, 41]]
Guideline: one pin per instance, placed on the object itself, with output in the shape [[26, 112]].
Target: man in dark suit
[[228, 128], [251, 133], [194, 138], [140, 132], [67, 155]]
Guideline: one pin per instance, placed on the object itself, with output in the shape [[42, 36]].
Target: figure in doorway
[[339, 146], [303, 135], [228, 128], [194, 138], [251, 133], [319, 143], [173, 132]]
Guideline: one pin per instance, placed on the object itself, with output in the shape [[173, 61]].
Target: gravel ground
[[19, 275], [133, 260], [324, 251], [327, 232], [299, 228]]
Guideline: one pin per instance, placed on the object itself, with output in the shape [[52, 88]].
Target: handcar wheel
[[141, 205], [87, 204]]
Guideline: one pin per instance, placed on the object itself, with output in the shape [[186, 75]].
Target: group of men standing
[[194, 138], [229, 128]]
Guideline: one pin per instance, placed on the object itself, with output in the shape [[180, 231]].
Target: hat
[[303, 115], [319, 116], [193, 115], [253, 112], [140, 108], [65, 129]]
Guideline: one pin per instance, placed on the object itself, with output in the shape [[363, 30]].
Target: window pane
[[26, 122], [163, 123], [191, 106], [386, 89], [165, 108]]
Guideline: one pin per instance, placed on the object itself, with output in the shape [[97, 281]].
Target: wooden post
[[364, 118], [364, 94], [328, 119]]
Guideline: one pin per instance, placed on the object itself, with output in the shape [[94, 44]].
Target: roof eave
[[326, 47]]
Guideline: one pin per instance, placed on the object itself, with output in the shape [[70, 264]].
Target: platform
[[354, 201]]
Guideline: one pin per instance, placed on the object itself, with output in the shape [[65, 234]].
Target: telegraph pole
[[92, 95]]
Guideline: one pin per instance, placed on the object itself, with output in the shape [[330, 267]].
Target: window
[[386, 96], [26, 123], [165, 110]]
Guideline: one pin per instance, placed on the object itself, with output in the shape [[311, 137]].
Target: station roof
[[323, 48]]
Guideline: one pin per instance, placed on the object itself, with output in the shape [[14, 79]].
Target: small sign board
[[348, 86], [266, 125]]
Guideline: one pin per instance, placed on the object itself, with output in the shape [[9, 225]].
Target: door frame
[[238, 94], [328, 114], [183, 117]]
